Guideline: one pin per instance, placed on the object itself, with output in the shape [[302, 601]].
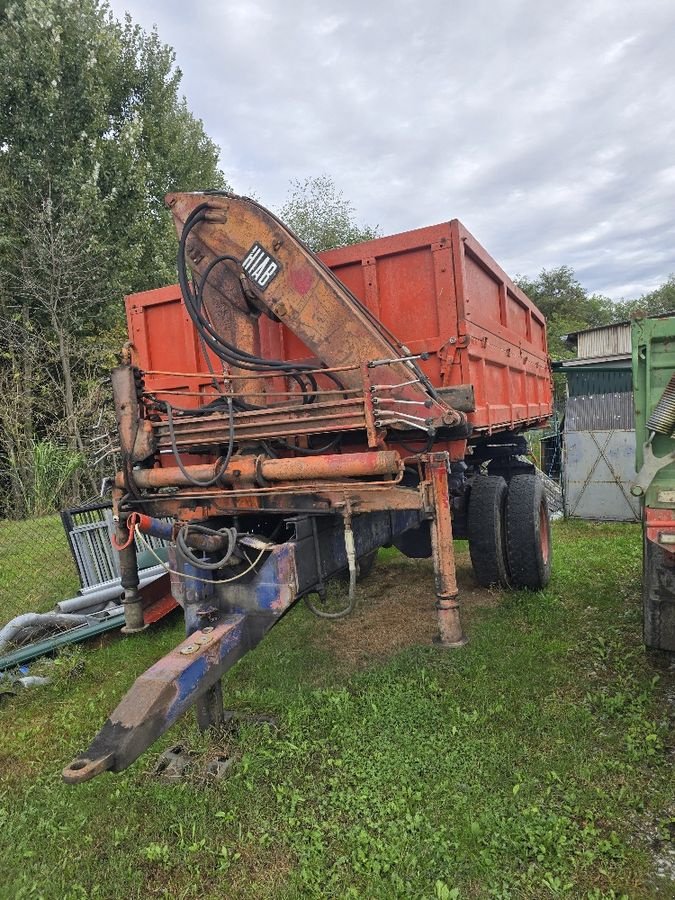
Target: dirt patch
[[15, 769], [396, 610]]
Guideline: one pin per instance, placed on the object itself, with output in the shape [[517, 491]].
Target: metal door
[[599, 468]]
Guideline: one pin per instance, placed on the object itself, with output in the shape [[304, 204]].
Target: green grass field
[[535, 762], [36, 566]]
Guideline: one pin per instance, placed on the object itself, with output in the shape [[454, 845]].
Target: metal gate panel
[[89, 531], [599, 469]]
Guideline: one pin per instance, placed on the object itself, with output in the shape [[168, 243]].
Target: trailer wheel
[[528, 533], [366, 564], [658, 595], [485, 529]]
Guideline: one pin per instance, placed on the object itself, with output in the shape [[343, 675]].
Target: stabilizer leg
[[447, 602]]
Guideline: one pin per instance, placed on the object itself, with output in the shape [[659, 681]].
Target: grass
[[532, 763], [36, 566]]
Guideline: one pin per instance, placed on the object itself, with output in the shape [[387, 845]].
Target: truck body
[[282, 415], [437, 289], [653, 351]]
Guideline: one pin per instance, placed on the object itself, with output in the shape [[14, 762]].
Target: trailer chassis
[[223, 622]]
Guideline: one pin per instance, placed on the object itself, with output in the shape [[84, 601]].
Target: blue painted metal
[[238, 616], [159, 696], [159, 528]]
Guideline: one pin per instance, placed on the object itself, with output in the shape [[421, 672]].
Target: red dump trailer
[[282, 415], [436, 289]]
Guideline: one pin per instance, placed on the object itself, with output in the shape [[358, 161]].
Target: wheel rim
[[544, 534]]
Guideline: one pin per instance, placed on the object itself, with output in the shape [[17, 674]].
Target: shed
[[599, 429]]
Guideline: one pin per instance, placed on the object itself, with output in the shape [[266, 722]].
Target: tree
[[90, 114], [654, 303], [321, 216], [566, 305], [93, 133]]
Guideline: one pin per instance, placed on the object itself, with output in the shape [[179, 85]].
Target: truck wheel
[[658, 594], [485, 529], [528, 533]]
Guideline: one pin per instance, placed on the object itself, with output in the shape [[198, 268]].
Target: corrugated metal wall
[[604, 412], [581, 382], [611, 340]]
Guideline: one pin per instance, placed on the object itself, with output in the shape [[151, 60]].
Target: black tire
[[658, 594], [366, 564], [528, 533], [485, 529]]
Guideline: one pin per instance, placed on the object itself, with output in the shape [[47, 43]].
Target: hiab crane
[[283, 415]]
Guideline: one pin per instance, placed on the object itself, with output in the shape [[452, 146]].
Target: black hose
[[188, 555], [226, 461], [408, 449], [229, 353]]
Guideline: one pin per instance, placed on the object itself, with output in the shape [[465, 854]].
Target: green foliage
[[90, 114], [321, 216], [93, 134], [662, 300], [567, 305], [50, 470]]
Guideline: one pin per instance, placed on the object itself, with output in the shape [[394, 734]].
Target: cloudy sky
[[547, 127]]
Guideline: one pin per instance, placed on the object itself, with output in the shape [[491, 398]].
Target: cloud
[[546, 128]]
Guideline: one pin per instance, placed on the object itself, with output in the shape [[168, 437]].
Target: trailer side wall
[[436, 289]]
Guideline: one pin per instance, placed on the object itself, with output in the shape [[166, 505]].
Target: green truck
[[653, 350]]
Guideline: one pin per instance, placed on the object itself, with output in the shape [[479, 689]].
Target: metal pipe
[[259, 468], [96, 599], [31, 621], [133, 606]]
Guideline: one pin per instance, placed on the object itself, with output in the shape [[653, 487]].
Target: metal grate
[[89, 530]]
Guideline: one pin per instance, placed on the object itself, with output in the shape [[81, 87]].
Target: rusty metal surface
[[260, 469], [157, 599], [197, 506], [158, 697], [447, 603], [303, 294], [186, 675]]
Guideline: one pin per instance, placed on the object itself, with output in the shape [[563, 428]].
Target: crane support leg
[[447, 602]]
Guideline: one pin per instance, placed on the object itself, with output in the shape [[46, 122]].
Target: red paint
[[301, 279], [658, 522], [436, 289]]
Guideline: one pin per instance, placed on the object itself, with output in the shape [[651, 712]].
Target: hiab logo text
[[260, 266]]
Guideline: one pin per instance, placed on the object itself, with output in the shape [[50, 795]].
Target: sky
[[546, 126]]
